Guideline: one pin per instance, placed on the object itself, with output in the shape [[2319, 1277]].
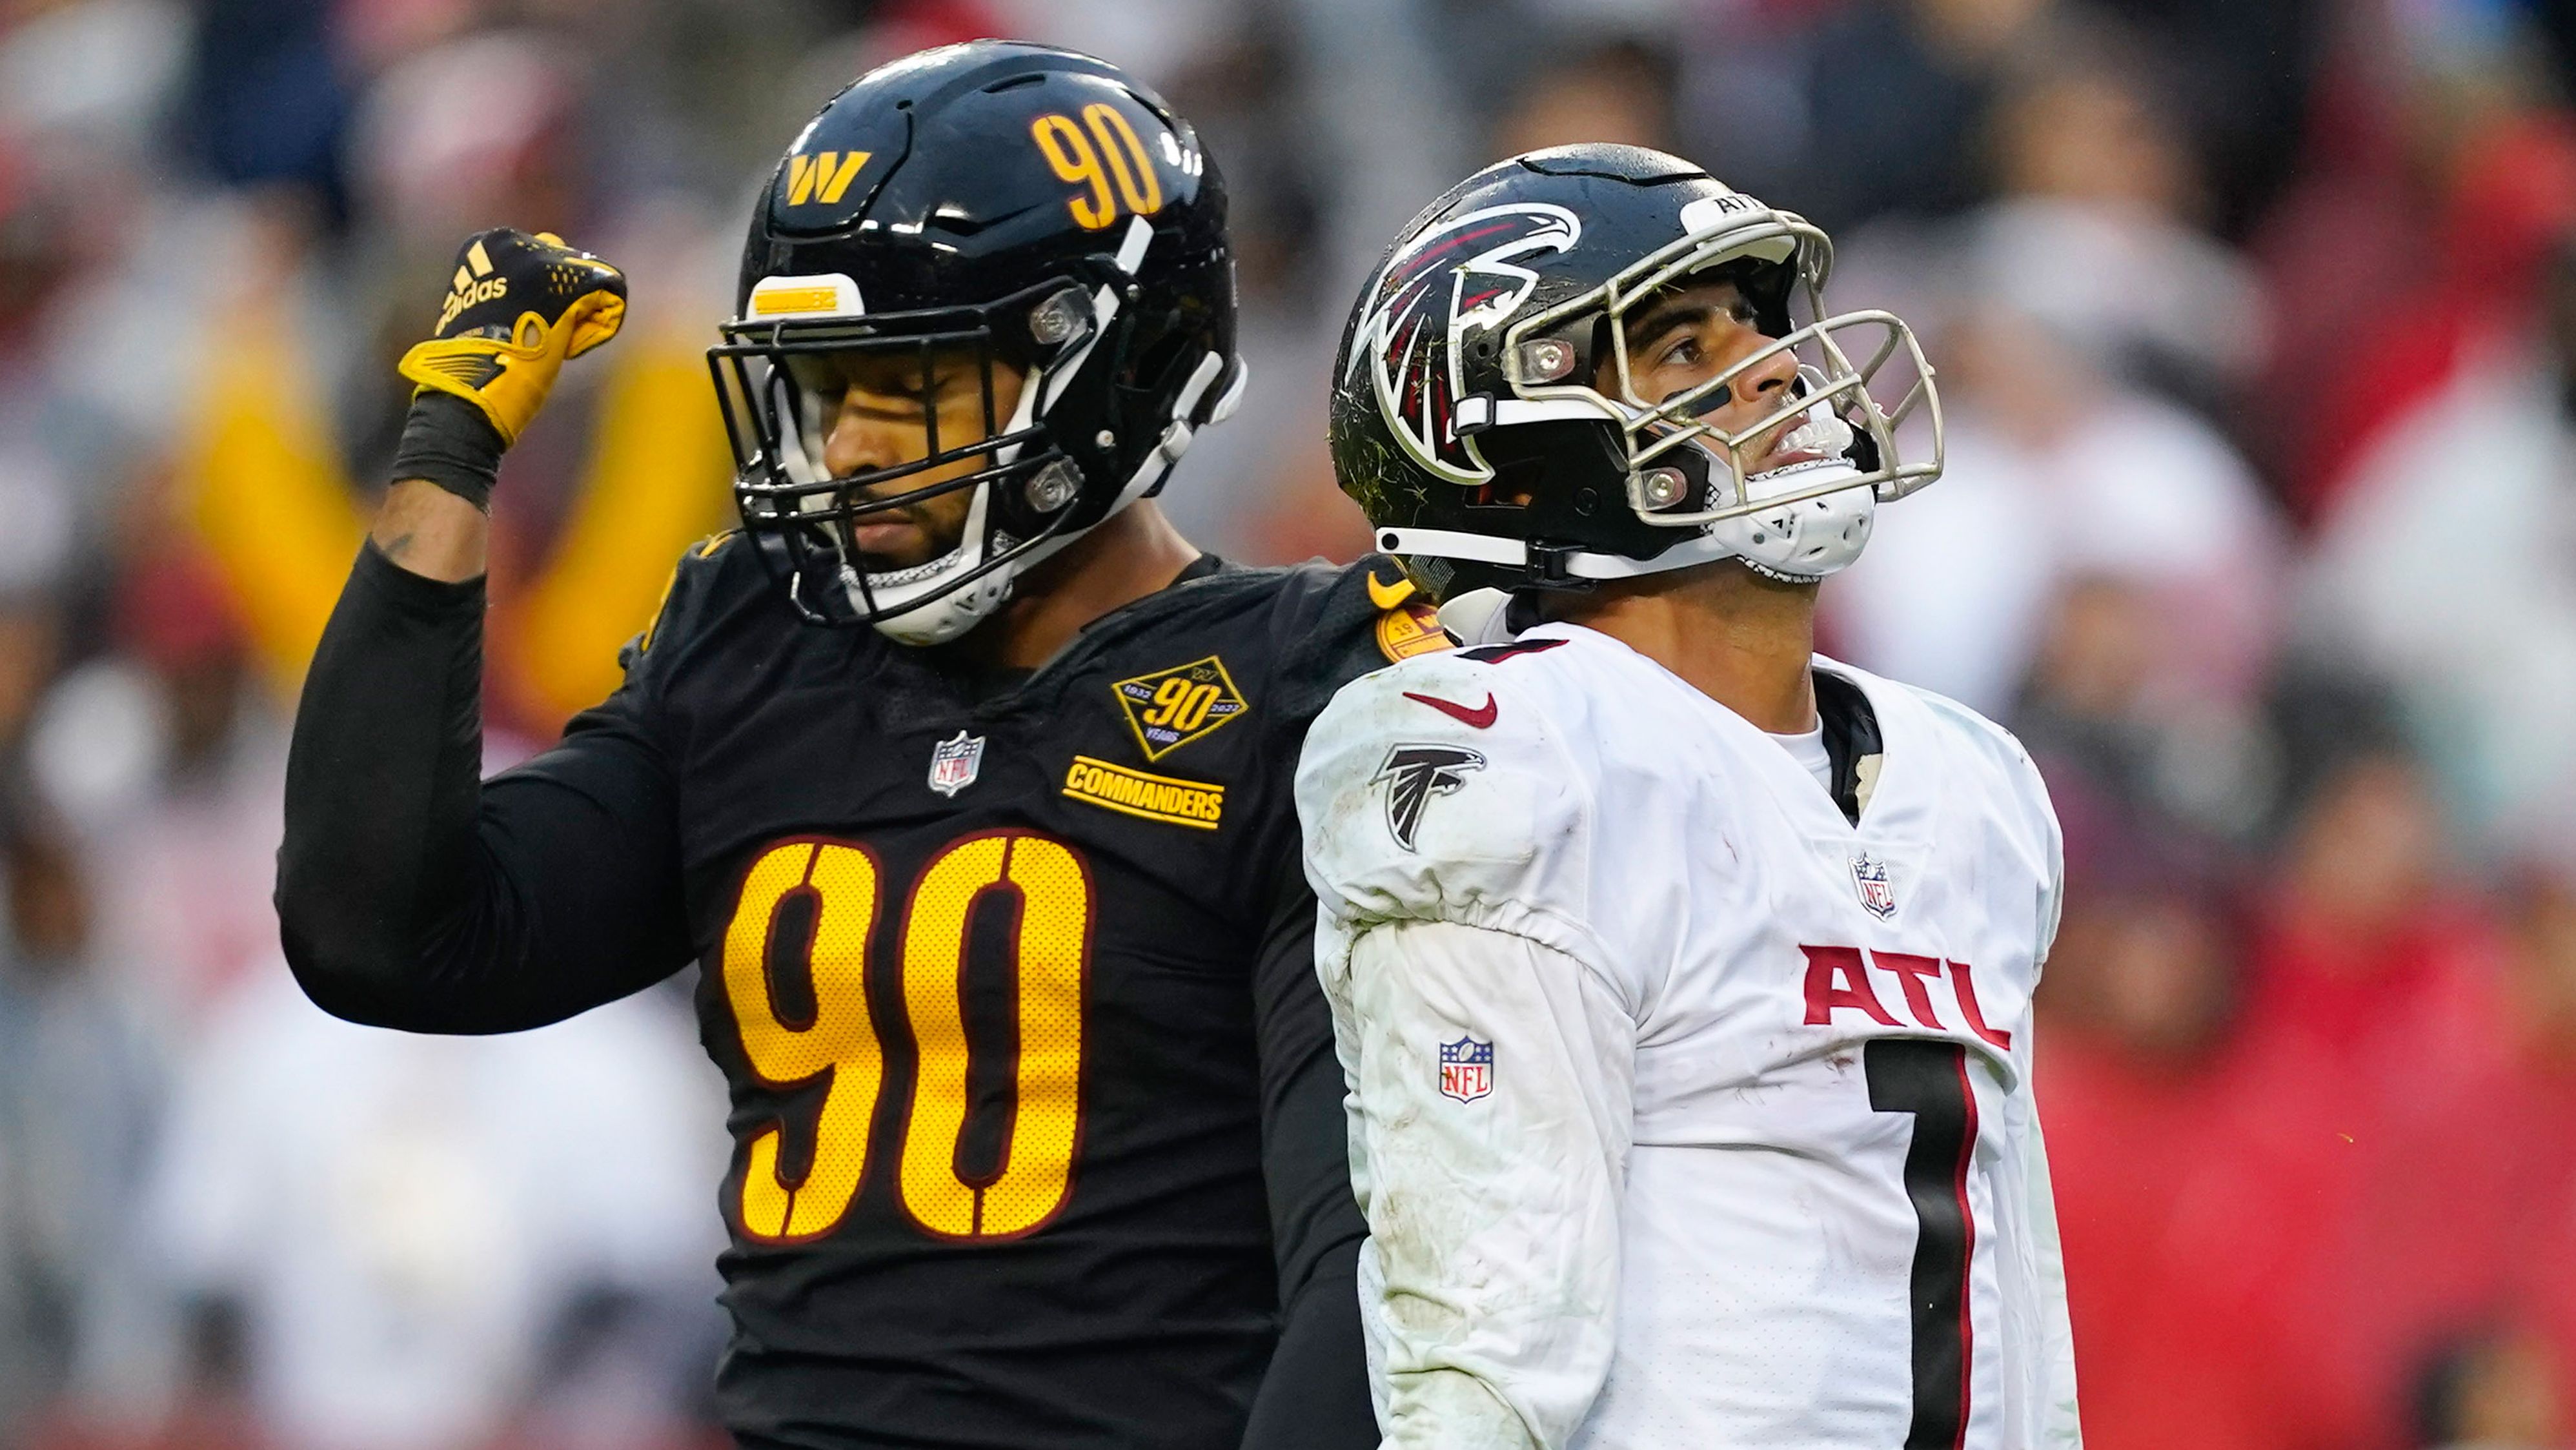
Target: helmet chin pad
[[1800, 527], [946, 617], [1808, 538], [936, 601]]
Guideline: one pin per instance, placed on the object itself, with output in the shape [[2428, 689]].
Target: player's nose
[[1767, 383], [859, 443]]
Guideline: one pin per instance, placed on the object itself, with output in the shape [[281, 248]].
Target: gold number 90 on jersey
[[839, 885]]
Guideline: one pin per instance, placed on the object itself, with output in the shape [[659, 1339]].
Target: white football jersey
[[1685, 1112]]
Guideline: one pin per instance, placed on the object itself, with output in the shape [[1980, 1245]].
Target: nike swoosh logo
[[1388, 596], [1476, 719]]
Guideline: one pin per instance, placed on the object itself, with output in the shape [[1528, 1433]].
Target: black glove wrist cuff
[[449, 442]]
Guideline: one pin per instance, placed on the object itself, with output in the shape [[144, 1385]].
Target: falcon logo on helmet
[[1490, 421], [1459, 275]]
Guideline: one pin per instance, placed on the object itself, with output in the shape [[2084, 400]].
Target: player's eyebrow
[[1650, 329], [1693, 309]]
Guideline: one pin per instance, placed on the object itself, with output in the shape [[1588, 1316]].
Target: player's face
[[1689, 335], [880, 410]]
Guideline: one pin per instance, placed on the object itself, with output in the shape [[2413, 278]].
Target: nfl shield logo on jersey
[[1876, 897], [954, 763], [1466, 1069]]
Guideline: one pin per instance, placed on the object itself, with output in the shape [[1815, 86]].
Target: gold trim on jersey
[[1388, 596]]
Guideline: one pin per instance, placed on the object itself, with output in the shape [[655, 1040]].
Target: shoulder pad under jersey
[[1342, 623], [711, 576], [1998, 769], [1437, 790]]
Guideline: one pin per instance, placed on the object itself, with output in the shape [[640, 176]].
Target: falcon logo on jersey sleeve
[[1416, 773], [1466, 1069], [1455, 276]]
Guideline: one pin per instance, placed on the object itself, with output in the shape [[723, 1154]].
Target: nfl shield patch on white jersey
[[1877, 893], [1466, 1069]]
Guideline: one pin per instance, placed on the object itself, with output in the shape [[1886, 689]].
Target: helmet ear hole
[[1516, 481], [1161, 370]]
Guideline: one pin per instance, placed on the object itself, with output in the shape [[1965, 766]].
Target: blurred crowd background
[[2257, 328]]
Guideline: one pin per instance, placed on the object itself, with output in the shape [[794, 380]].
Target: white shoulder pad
[[1999, 751], [1436, 791], [2003, 759]]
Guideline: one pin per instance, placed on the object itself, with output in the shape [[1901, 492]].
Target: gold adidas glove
[[517, 306]]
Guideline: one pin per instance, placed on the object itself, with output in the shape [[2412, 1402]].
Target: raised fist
[[516, 307]]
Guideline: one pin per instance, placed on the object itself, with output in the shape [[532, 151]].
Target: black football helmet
[[1031, 207], [1484, 418]]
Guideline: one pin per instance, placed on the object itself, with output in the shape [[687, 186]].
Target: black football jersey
[[1000, 972]]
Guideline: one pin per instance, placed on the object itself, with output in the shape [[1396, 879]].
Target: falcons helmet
[[1483, 414]]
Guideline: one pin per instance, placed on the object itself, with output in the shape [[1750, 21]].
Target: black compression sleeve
[[1316, 1394], [449, 442], [412, 895]]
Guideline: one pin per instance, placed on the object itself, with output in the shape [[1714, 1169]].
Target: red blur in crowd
[[2386, 279], [2286, 1214]]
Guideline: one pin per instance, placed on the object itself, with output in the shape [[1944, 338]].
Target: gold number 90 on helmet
[[1487, 414], [1015, 206]]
